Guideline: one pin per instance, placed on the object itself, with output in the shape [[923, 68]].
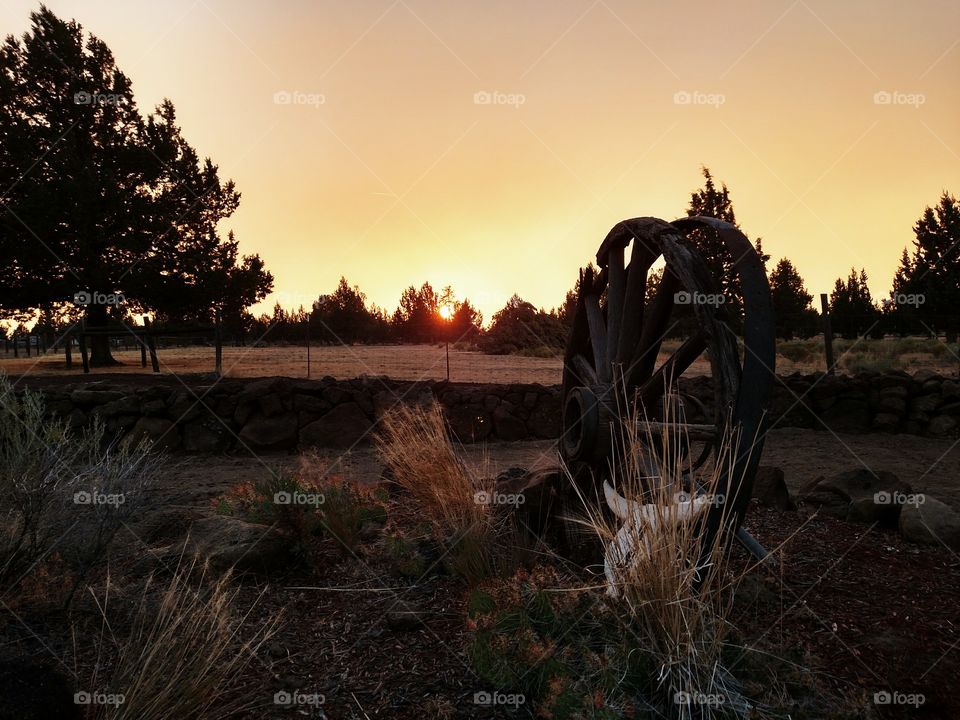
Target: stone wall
[[282, 413]]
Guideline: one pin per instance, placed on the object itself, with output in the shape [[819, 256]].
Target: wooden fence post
[[827, 332], [68, 351], [151, 345], [82, 338], [218, 352]]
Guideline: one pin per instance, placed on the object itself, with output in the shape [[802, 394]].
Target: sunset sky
[[386, 166]]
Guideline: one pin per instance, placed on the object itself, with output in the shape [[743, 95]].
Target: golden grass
[[674, 599], [181, 653]]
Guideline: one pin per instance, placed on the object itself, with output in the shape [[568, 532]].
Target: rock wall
[[283, 413]]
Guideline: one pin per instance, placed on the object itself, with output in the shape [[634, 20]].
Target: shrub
[[181, 653], [63, 490]]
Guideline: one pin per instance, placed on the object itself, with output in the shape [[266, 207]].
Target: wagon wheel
[[612, 356]]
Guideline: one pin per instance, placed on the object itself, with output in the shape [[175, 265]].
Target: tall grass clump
[[672, 595], [415, 445], [180, 653]]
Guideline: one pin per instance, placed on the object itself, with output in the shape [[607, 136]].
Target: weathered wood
[[598, 337], [615, 293]]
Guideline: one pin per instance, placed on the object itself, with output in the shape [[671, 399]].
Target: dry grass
[[415, 445], [181, 653], [673, 596]]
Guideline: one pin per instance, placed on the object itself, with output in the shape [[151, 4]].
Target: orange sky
[[399, 176]]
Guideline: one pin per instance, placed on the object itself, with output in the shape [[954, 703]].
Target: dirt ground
[[861, 610]]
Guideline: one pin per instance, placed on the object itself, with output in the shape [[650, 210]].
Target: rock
[[229, 542], [892, 404], [270, 405], [162, 433], [276, 651], [925, 403], [770, 488], [335, 395], [941, 425], [205, 437], [468, 422], [544, 421], [858, 496], [930, 522], [153, 407], [310, 404], [344, 426], [404, 620], [507, 426], [77, 419], [270, 433], [33, 690], [848, 414], [184, 406], [94, 397], [885, 422], [949, 389], [129, 405]]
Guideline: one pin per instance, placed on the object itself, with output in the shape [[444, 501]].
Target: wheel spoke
[[584, 371], [598, 337], [641, 257], [615, 293], [671, 370], [655, 325]]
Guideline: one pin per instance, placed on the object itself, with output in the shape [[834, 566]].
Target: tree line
[[110, 213]]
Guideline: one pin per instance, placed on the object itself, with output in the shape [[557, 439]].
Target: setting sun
[[446, 312]]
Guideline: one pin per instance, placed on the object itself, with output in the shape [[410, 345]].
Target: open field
[[428, 362]]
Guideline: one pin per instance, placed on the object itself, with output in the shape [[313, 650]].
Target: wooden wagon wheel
[[612, 354]]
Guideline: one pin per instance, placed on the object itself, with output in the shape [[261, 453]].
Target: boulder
[[468, 422], [858, 496], [770, 488], [229, 542], [508, 426], [929, 521], [885, 422], [544, 421], [205, 436], [270, 405], [94, 397], [344, 426], [162, 433], [941, 425], [270, 433], [35, 690]]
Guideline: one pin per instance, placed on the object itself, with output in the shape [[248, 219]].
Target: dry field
[[428, 362]]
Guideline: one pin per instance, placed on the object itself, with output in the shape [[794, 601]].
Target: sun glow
[[446, 312]]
